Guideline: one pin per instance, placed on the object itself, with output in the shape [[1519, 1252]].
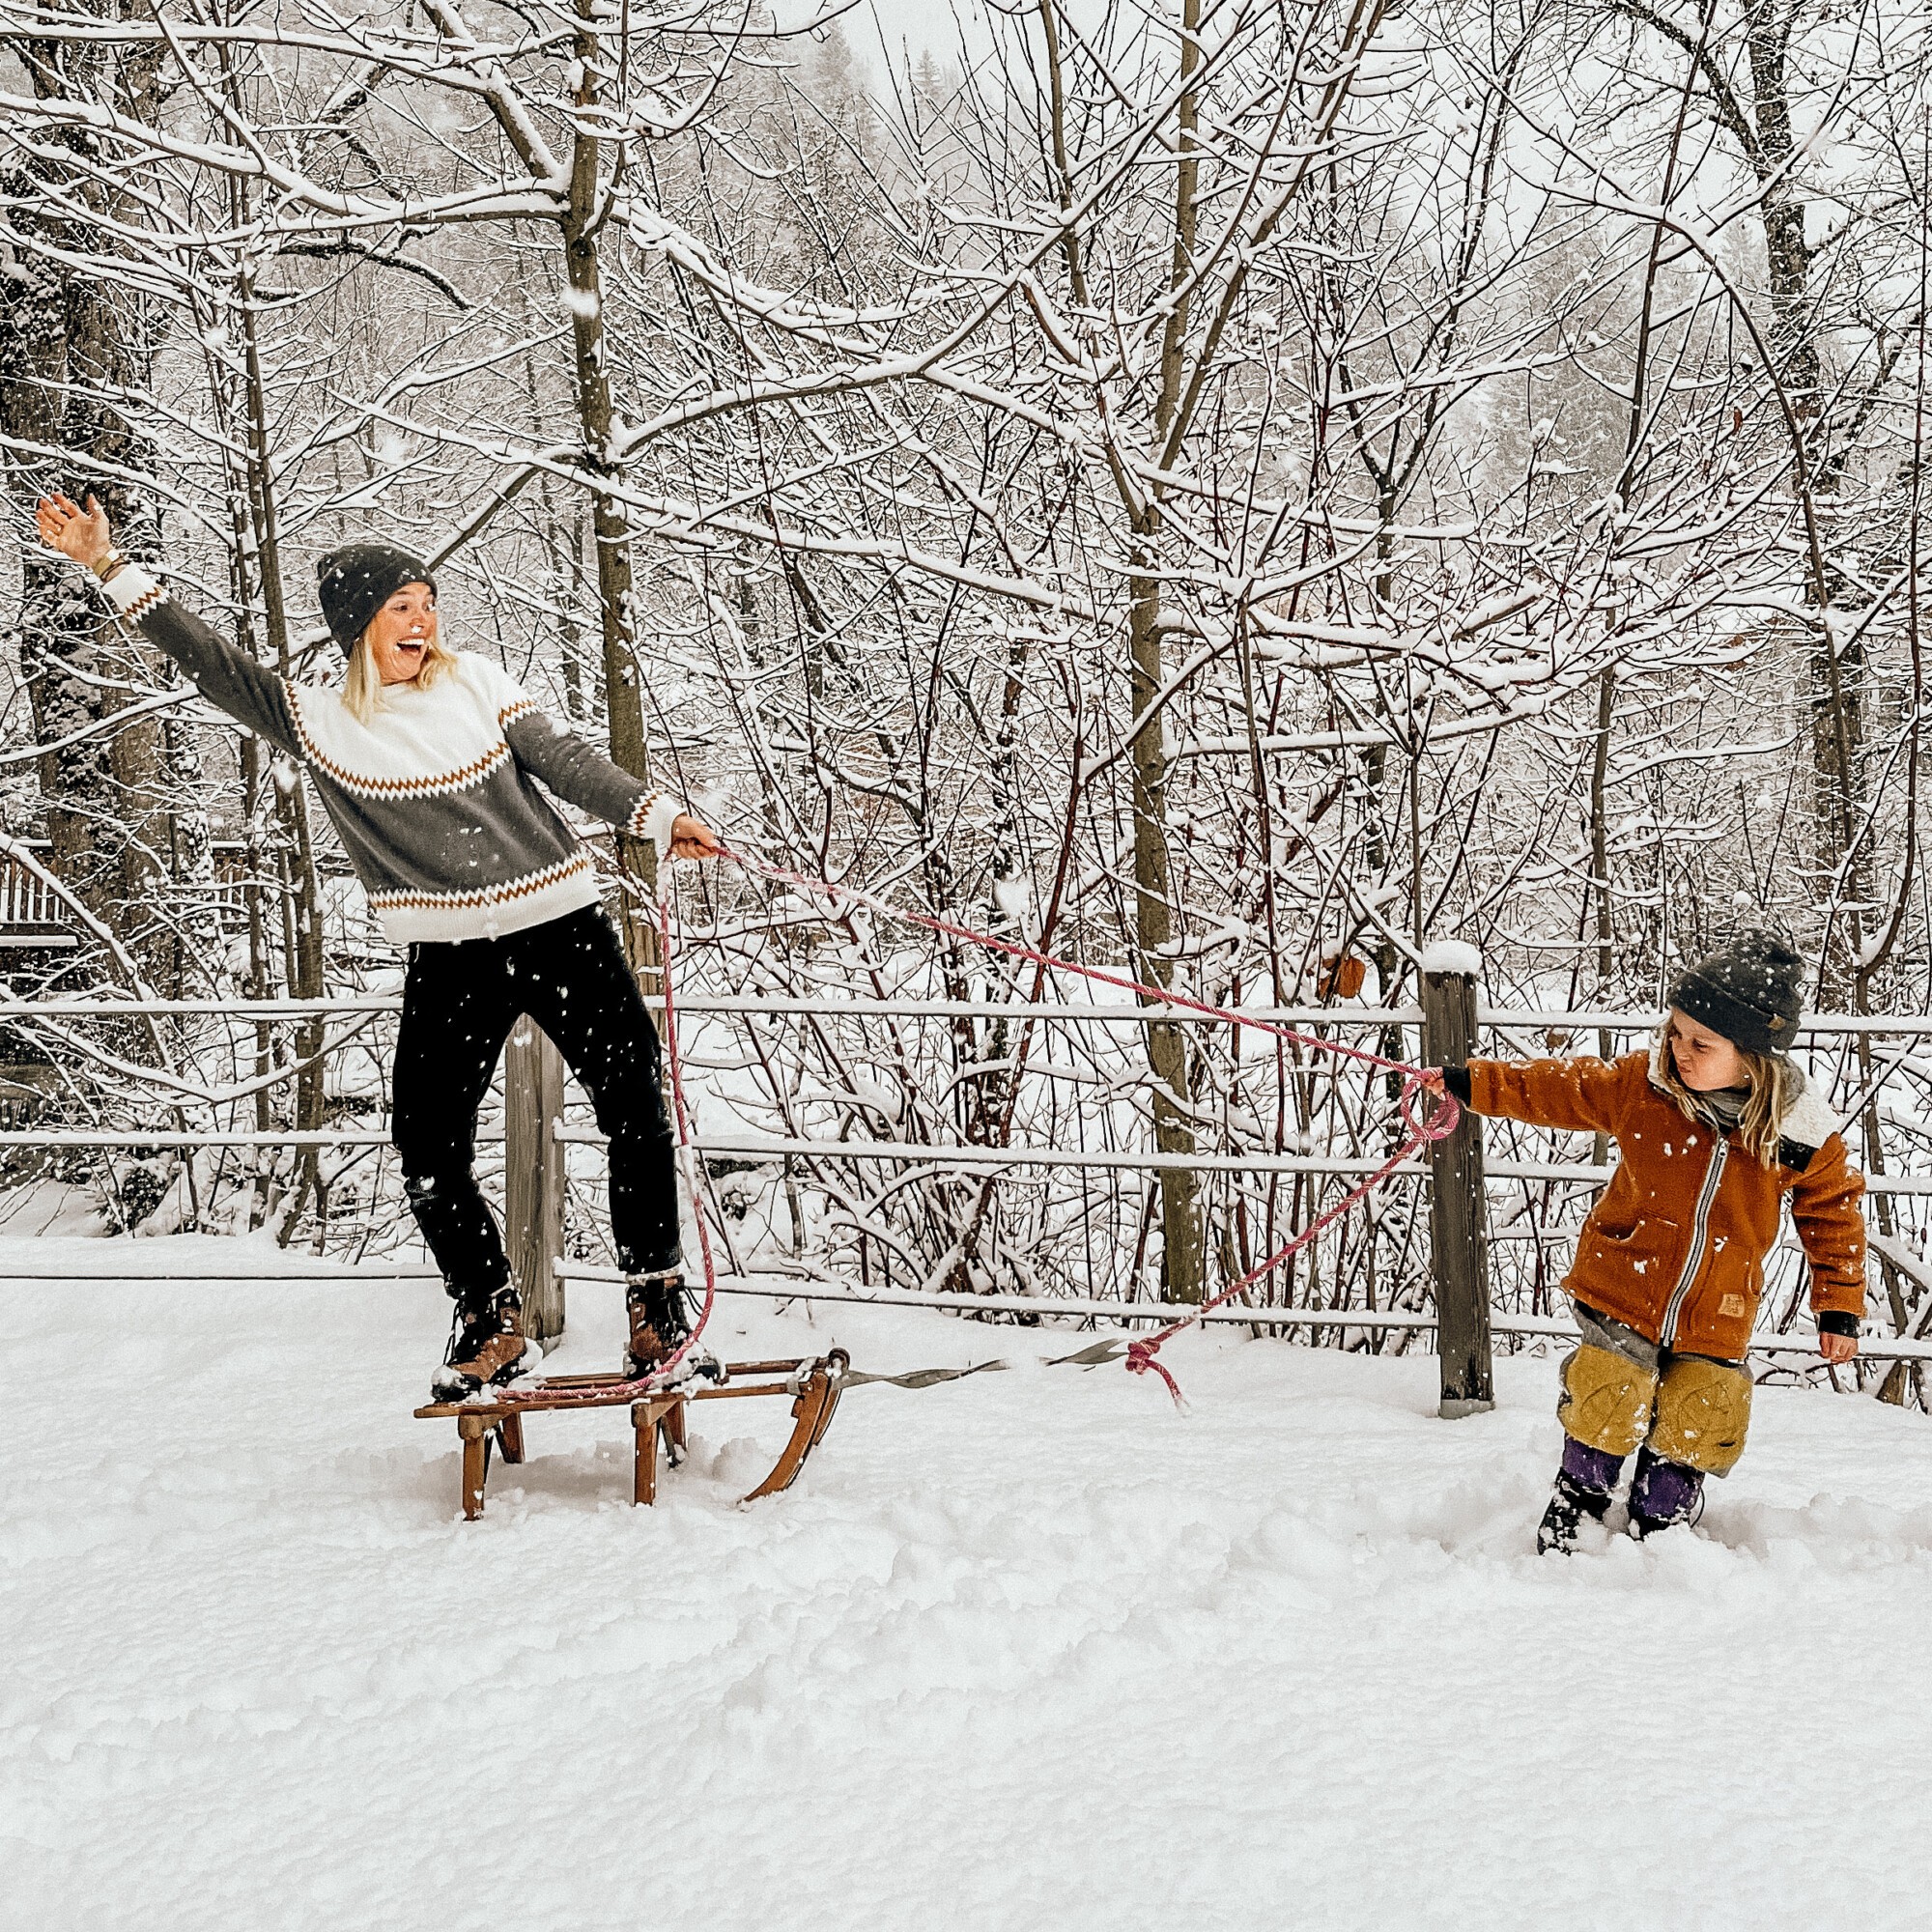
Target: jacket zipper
[[1700, 1228]]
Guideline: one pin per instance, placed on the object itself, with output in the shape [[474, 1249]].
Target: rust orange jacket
[[1676, 1243]]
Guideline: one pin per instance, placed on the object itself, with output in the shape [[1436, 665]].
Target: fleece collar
[[1810, 1123]]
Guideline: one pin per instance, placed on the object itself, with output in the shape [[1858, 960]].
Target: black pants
[[460, 1002]]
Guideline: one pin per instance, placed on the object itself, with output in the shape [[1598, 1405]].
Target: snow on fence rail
[[1381, 1276], [822, 1295]]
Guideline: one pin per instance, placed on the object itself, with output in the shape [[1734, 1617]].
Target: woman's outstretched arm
[[231, 679], [583, 776]]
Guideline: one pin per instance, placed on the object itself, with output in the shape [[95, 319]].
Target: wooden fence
[[35, 918], [33, 915], [1463, 1175]]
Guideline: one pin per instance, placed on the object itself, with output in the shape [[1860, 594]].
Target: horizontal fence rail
[[908, 1152], [822, 1295]]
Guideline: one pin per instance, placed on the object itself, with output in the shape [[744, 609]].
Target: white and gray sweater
[[433, 799]]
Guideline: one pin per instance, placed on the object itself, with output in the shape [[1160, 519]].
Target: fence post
[[533, 1175], [1458, 1216]]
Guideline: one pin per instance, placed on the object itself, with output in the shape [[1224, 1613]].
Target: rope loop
[[686, 1148]]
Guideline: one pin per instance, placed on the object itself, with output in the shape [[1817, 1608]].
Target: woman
[[1716, 1134], [424, 759]]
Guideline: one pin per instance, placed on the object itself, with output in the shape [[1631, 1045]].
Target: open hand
[[1837, 1348], [692, 838], [81, 534]]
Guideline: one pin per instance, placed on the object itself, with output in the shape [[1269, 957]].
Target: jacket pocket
[[1645, 1253]]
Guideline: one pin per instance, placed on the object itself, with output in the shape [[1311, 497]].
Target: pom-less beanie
[[1749, 992], [357, 579]]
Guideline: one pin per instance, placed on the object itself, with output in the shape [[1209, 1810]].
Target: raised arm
[[231, 679]]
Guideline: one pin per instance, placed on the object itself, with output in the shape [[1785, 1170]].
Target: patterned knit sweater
[[432, 798]]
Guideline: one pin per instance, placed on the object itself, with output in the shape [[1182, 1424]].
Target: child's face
[[1705, 1061]]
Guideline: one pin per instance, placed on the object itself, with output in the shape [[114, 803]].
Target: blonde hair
[[362, 682], [1774, 1087]]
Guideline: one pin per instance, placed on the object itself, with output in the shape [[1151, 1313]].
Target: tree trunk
[[1184, 1243], [301, 900], [1184, 1251], [611, 526], [124, 810], [1838, 698]]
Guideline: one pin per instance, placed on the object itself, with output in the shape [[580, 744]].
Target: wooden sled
[[815, 1383]]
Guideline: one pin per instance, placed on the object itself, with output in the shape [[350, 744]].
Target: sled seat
[[815, 1383]]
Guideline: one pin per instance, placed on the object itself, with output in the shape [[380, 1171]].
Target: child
[[1715, 1128]]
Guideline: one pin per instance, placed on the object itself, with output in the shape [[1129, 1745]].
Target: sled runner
[[815, 1383]]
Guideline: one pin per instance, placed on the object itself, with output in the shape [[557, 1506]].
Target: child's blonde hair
[[362, 682], [1774, 1087]]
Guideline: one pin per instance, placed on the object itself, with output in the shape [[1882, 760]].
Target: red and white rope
[[1142, 1354]]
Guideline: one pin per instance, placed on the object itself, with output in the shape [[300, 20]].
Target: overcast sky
[[936, 24], [875, 28]]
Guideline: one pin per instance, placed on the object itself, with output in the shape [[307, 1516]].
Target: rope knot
[[1142, 1360]]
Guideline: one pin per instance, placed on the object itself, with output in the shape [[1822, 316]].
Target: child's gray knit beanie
[[1750, 992]]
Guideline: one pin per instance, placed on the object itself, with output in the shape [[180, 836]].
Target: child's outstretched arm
[[1585, 1096], [1831, 1229]]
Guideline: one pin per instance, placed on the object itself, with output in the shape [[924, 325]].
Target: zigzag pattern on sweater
[[434, 784], [419, 899], [641, 816], [149, 601]]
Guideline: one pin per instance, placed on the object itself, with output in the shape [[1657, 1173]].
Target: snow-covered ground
[[1026, 1651]]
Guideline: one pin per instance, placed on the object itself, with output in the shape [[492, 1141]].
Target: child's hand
[[1837, 1348], [1431, 1081]]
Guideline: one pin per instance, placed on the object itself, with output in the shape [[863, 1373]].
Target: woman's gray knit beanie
[[357, 579], [1750, 992]]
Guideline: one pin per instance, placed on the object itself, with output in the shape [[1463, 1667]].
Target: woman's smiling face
[[401, 632]]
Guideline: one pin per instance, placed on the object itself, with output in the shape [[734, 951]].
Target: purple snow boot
[[1583, 1486], [1663, 1493]]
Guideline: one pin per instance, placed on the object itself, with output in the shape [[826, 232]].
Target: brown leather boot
[[486, 1348], [659, 1320]]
